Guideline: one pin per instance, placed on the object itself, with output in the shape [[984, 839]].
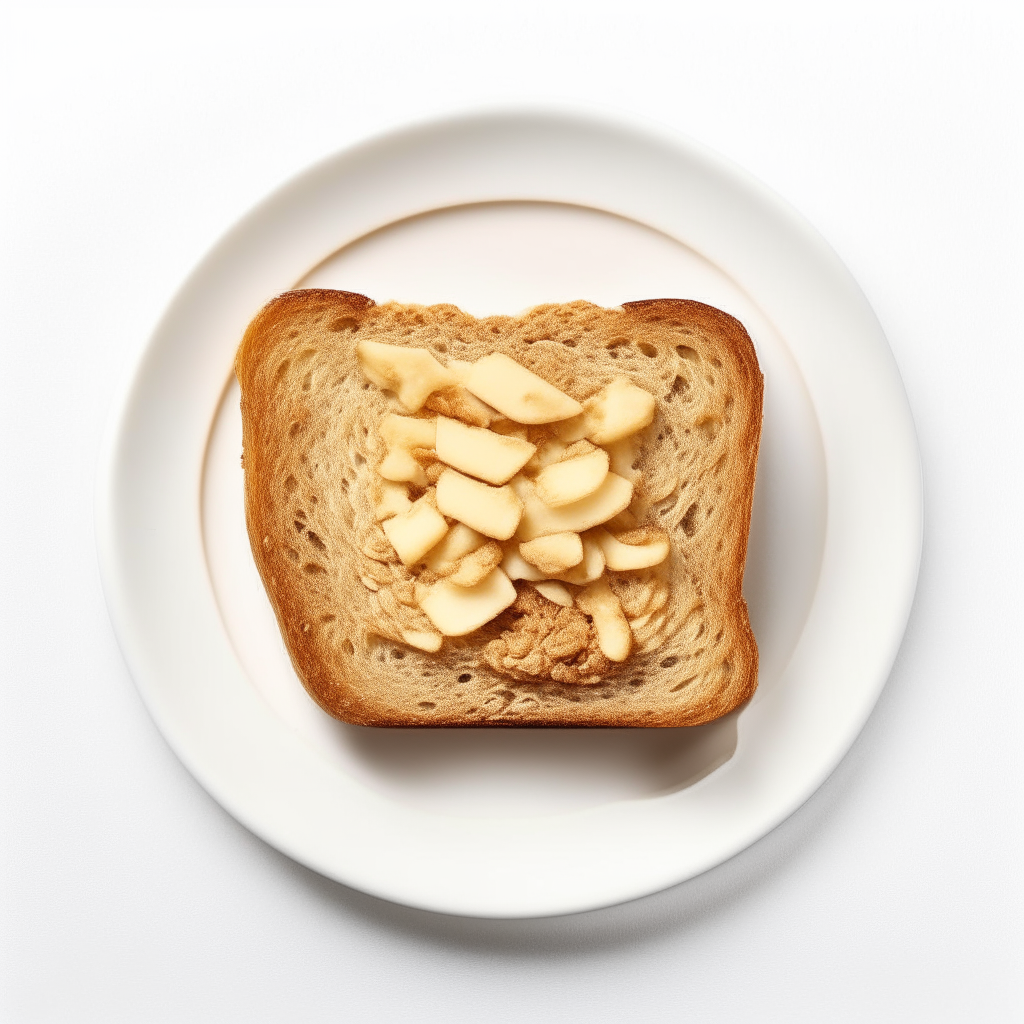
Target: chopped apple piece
[[553, 553], [412, 373], [393, 500], [456, 611], [414, 533], [618, 410], [495, 458], [518, 568], [424, 640], [590, 568], [459, 541], [622, 557], [476, 565], [566, 482], [492, 511], [539, 519], [554, 592], [401, 434], [517, 392], [613, 633]]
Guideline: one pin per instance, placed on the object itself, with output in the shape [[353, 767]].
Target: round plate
[[496, 214]]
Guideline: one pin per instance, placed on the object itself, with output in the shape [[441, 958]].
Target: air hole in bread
[[668, 662], [679, 686], [307, 381], [313, 569], [636, 682], [680, 385], [710, 427], [687, 353], [648, 349], [614, 354], [569, 342], [316, 541], [689, 520], [299, 526], [726, 668], [465, 677], [427, 705], [292, 553], [398, 654], [719, 635], [716, 363], [293, 334], [283, 368], [358, 459], [299, 514], [330, 618], [294, 428], [343, 323], [350, 647], [440, 346], [290, 484]]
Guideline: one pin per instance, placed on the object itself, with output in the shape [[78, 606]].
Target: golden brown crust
[[340, 598]]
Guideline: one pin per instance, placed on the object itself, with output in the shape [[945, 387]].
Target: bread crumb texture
[[347, 605]]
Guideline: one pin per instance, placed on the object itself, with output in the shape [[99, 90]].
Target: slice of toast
[[349, 608]]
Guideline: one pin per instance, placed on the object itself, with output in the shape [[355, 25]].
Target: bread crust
[[309, 458]]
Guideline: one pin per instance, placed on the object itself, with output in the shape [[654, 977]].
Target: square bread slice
[[349, 608]]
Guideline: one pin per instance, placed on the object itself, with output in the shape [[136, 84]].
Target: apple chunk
[[623, 557], [539, 519], [566, 482], [518, 568], [554, 592], [554, 553], [401, 434], [414, 533], [393, 498], [493, 457], [456, 611], [475, 566], [492, 511], [591, 566], [412, 373], [613, 633], [460, 540], [618, 410], [518, 393]]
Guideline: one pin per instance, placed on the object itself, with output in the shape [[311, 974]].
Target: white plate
[[498, 213]]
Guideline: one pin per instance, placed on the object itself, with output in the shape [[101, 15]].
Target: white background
[[131, 137]]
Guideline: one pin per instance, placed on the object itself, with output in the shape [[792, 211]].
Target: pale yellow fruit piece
[[492, 511], [518, 393], [425, 641], [476, 565], [613, 633], [539, 519], [393, 499], [554, 592], [566, 482], [456, 611], [412, 373], [623, 557], [401, 434], [460, 540], [618, 410], [459, 403], [554, 553], [414, 533], [493, 457], [590, 568], [518, 568]]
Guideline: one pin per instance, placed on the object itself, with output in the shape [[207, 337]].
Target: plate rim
[[221, 779]]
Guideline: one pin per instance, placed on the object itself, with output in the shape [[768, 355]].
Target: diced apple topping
[[456, 611], [618, 410], [492, 511], [517, 392], [554, 592], [459, 541], [613, 633], [554, 553], [412, 373], [493, 457], [393, 499], [402, 434], [590, 568], [413, 533], [476, 565], [518, 568], [623, 557], [566, 482], [422, 639], [539, 519]]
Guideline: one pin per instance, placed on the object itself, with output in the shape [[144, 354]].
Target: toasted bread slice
[[349, 608]]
